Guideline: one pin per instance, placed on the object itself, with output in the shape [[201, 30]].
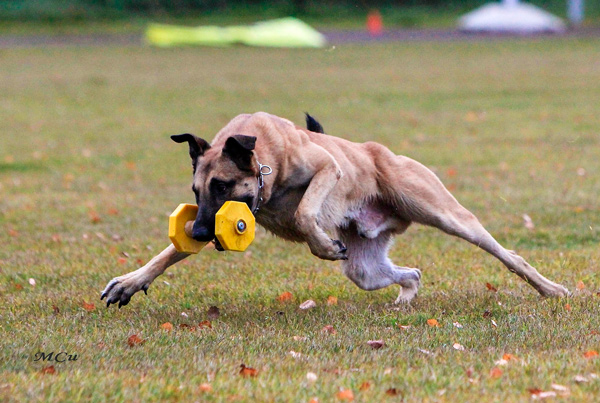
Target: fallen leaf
[[295, 354], [568, 307], [13, 233], [213, 313], [285, 297], [457, 325], [205, 324], [18, 286], [543, 395], [580, 285], [328, 329], [376, 344], [94, 217], [168, 326], [433, 323], [134, 340], [247, 371], [491, 287], [458, 347], [495, 373], [313, 400], [205, 387], [560, 388], [534, 391], [55, 309], [510, 357], [331, 300], [590, 354], [32, 282], [311, 377], [345, 394], [48, 370], [528, 222], [487, 314], [88, 307], [403, 327], [308, 304], [580, 379], [122, 260], [392, 392], [300, 338], [364, 386]]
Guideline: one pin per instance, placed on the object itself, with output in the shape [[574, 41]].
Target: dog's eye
[[219, 186]]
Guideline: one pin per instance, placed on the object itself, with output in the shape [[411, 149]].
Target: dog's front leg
[[306, 216], [121, 289]]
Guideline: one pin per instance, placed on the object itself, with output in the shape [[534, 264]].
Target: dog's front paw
[[336, 250], [121, 289]]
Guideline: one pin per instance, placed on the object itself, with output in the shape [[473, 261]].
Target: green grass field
[[88, 176]]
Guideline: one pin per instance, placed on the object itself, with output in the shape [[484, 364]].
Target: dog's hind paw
[[121, 289]]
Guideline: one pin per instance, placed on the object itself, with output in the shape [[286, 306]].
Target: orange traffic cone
[[374, 23]]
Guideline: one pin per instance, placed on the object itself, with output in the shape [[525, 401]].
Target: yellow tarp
[[283, 33]]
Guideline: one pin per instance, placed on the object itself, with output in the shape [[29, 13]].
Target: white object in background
[[510, 16]]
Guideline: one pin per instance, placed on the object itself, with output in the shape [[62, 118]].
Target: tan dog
[[362, 194]]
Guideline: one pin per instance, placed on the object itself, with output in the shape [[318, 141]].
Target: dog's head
[[221, 174]]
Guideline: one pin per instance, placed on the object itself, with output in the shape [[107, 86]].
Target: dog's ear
[[197, 145], [239, 149], [313, 125]]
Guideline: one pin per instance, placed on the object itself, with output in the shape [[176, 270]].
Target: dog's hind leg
[[121, 289], [423, 198], [369, 267]]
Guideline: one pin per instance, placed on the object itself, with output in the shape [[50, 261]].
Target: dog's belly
[[373, 218]]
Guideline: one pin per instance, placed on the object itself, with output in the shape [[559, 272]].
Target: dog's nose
[[202, 234]]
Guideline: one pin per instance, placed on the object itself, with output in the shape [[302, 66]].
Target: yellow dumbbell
[[234, 227]]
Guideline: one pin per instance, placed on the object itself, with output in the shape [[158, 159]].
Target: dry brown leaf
[[13, 233], [345, 395], [568, 307], [328, 329], [510, 357], [94, 217], [376, 344], [285, 297], [495, 373], [580, 285], [487, 314], [331, 300], [168, 326], [205, 324], [55, 309], [433, 323], [205, 387], [364, 386], [247, 371], [490, 287], [48, 370], [134, 340], [122, 260], [88, 307], [313, 400], [392, 392], [213, 313], [18, 286], [590, 354]]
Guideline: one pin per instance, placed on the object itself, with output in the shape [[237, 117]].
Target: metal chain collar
[[263, 170]]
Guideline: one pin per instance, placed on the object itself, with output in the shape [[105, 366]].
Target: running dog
[[304, 185]]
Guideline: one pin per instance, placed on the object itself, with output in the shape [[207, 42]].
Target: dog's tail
[[313, 125]]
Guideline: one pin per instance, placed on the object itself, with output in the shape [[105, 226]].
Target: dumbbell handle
[[189, 229]]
